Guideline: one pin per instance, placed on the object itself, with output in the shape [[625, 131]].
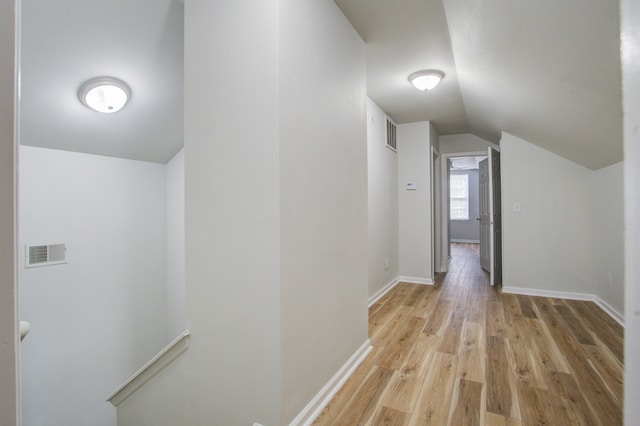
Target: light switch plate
[[410, 186]]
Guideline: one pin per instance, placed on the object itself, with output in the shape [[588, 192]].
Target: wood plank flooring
[[461, 353]]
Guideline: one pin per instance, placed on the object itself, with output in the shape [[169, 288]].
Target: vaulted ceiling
[[547, 71], [67, 42]]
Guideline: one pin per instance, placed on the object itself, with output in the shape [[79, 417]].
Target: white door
[[485, 216], [448, 213], [495, 218]]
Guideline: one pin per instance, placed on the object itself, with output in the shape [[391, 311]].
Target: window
[[459, 197]]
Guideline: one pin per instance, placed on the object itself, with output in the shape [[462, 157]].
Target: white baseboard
[[384, 290], [415, 280], [328, 391], [548, 293], [456, 240], [612, 312]]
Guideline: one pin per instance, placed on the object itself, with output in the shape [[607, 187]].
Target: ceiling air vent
[[391, 135], [45, 254]]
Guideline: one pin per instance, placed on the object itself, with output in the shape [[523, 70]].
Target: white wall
[[176, 315], [95, 320], [609, 235], [231, 373], [323, 190], [415, 229], [323, 197], [276, 186], [630, 36], [382, 165], [463, 142], [434, 138], [568, 236], [549, 244], [9, 402]]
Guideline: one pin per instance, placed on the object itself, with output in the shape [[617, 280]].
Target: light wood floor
[[460, 353]]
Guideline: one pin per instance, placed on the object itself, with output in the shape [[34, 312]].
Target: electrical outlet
[[386, 264], [610, 279]]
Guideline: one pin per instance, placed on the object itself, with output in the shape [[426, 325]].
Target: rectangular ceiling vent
[[45, 254], [391, 135]]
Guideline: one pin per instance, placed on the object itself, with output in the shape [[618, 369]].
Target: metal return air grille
[[391, 135], [45, 254]]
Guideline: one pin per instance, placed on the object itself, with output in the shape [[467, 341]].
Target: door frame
[[443, 265], [10, 389], [495, 218], [485, 215], [436, 212]]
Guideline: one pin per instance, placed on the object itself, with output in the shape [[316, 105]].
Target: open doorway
[[460, 207], [471, 209], [464, 199], [101, 201], [464, 208]]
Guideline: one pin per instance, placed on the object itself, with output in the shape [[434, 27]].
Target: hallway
[[462, 353]]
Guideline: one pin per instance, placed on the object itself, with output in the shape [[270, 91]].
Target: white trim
[[328, 391], [613, 312], [384, 290], [548, 293], [458, 240], [444, 188], [150, 369], [610, 310], [415, 280], [436, 229]]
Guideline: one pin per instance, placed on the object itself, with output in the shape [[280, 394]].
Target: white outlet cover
[[410, 186]]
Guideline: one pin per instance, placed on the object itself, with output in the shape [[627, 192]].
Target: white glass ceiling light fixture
[[104, 94], [426, 80]]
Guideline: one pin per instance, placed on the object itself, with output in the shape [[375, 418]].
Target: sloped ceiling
[[66, 42], [545, 71]]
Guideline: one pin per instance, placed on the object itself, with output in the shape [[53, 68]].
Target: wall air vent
[[391, 135], [45, 254]]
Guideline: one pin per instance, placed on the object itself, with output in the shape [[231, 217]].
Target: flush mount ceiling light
[[104, 94], [426, 80]]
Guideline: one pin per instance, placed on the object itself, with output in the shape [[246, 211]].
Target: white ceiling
[[466, 163], [547, 71], [66, 42]]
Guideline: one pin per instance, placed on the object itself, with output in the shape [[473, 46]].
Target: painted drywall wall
[[100, 317], [468, 230], [415, 229], [609, 235], [382, 166], [231, 374], [176, 315], [280, 296], [630, 36], [9, 359], [434, 138], [548, 245], [463, 142], [323, 197]]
